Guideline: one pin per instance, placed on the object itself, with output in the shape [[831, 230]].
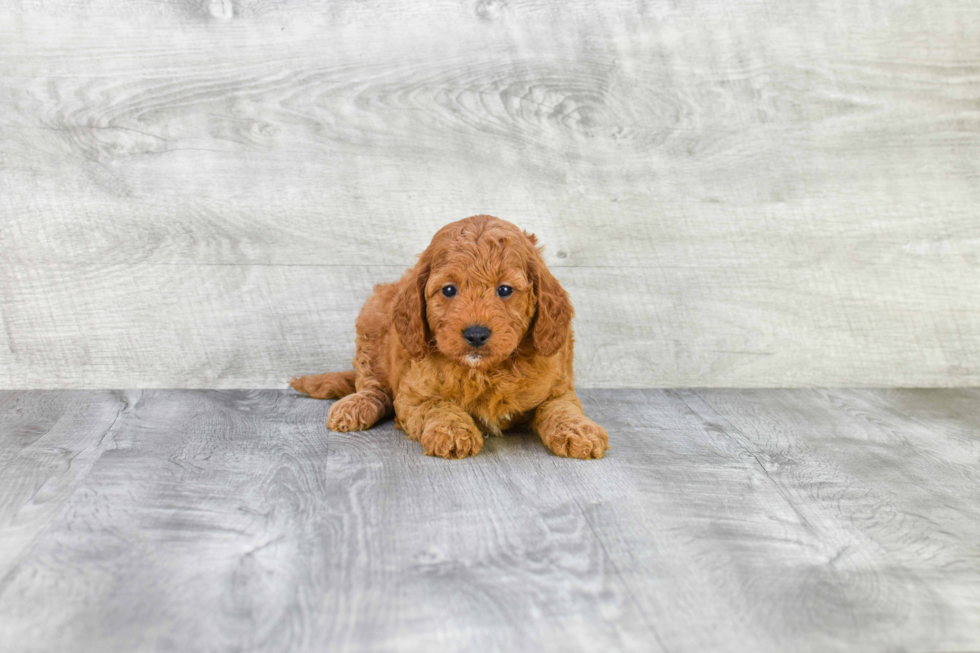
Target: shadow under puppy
[[474, 339]]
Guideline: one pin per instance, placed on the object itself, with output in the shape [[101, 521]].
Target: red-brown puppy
[[474, 339]]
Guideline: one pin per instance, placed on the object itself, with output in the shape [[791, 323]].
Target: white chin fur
[[472, 360]]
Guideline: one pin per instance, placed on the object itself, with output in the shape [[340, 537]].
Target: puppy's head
[[477, 291]]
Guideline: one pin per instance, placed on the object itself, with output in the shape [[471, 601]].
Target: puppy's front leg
[[443, 428], [562, 425]]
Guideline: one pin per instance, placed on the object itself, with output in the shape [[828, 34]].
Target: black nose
[[476, 335]]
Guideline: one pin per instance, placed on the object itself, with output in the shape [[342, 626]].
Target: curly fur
[[412, 358]]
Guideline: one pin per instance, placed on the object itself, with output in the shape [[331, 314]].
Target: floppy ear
[[553, 320], [408, 311]]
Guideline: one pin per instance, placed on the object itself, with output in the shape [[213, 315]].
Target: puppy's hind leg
[[332, 385], [360, 410], [370, 403]]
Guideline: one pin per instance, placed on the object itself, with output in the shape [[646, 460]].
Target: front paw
[[580, 438], [451, 439]]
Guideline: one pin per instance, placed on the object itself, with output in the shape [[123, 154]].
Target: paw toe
[[452, 441], [584, 440], [352, 413]]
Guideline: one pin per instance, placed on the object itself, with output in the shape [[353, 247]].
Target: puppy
[[473, 340]]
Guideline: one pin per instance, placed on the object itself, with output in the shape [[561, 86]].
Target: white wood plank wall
[[735, 192]]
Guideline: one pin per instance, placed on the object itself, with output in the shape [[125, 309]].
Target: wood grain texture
[[720, 520], [48, 444], [735, 193]]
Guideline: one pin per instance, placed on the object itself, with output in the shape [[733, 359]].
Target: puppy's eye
[[449, 291], [504, 291]]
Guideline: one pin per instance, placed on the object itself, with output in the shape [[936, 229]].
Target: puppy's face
[[479, 300], [479, 289]]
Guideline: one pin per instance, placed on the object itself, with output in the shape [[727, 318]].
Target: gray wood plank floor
[[735, 520]]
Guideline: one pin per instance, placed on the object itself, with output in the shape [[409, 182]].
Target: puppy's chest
[[495, 407], [494, 423]]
